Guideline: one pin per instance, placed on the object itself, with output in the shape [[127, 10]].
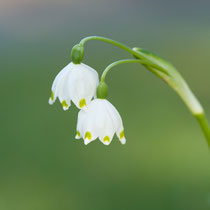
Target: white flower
[[76, 82], [100, 120]]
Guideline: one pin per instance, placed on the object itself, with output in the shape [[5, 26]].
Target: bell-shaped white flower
[[76, 82], [100, 120]]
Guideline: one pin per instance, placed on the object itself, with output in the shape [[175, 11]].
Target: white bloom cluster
[[98, 118]]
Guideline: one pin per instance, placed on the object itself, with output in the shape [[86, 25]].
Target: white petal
[[123, 140], [117, 121], [56, 83], [63, 91], [107, 138], [109, 128], [88, 137], [77, 137], [115, 115], [80, 122], [121, 135], [51, 99], [85, 126], [83, 82], [86, 141], [99, 122]]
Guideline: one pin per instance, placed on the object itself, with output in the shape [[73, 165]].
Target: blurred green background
[[165, 164]]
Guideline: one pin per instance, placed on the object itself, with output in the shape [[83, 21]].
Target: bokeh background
[[165, 164]]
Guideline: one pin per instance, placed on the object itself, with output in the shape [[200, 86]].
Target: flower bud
[[102, 90], [77, 54]]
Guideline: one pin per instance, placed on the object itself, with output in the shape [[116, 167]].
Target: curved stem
[[146, 63], [204, 126], [164, 70], [118, 44]]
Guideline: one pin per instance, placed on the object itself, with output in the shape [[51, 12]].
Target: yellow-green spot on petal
[[106, 138], [88, 135], [78, 133], [64, 104], [52, 96], [122, 135], [82, 103]]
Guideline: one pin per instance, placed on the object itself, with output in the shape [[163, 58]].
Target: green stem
[[118, 44], [146, 63], [204, 126]]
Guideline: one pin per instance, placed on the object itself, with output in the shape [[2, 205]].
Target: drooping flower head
[[100, 120], [75, 82], [79, 83]]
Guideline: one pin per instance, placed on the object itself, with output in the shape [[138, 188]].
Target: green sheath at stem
[[165, 71]]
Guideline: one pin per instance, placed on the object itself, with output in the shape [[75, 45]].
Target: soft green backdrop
[[165, 164]]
